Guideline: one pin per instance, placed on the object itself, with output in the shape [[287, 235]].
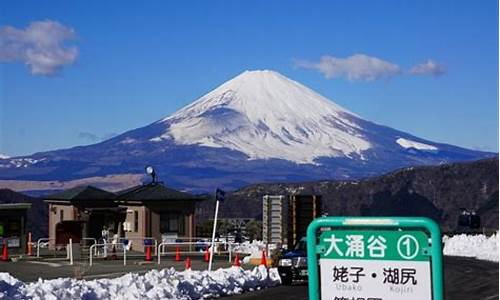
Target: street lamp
[[151, 172]]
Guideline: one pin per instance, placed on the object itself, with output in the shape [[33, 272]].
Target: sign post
[[219, 196], [374, 258]]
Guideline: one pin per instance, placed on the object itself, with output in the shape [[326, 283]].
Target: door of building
[[68, 229]]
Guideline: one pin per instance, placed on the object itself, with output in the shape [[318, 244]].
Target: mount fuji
[[257, 127]]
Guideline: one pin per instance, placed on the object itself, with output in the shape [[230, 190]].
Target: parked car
[[292, 264], [468, 221]]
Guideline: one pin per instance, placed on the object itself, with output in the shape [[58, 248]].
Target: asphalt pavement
[[464, 279], [29, 270]]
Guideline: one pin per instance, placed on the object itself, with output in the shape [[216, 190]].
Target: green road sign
[[374, 258], [374, 244]]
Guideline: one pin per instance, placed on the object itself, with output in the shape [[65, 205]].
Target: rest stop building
[[145, 211]]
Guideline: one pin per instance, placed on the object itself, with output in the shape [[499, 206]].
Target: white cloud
[[354, 67], [429, 67], [41, 46]]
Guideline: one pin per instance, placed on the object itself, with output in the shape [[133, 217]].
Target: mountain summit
[[257, 127], [266, 115]]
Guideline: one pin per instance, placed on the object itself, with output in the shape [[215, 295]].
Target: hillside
[[437, 192]]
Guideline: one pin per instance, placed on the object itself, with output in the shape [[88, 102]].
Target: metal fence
[[220, 248], [122, 248]]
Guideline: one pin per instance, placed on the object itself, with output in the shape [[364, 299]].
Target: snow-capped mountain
[[266, 115], [259, 126]]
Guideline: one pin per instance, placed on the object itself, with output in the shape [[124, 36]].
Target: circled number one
[[408, 246]]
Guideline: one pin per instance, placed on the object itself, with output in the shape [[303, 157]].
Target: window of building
[[172, 222], [61, 215], [136, 221]]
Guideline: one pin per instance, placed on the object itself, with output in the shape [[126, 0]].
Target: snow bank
[[478, 246], [405, 143], [164, 284], [254, 249], [249, 247]]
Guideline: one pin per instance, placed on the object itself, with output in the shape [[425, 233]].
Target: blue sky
[[128, 64]]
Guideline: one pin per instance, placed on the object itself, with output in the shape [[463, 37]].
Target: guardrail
[[161, 247], [94, 241], [105, 245], [68, 247], [38, 242], [69, 251], [195, 245], [194, 239], [141, 244]]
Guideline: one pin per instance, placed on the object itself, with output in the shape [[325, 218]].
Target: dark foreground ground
[[465, 279]]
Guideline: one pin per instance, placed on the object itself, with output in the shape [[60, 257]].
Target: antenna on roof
[[151, 171]]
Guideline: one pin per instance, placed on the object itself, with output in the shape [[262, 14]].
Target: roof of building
[[85, 192], [153, 192], [7, 206]]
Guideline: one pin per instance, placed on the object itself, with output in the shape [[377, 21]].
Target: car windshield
[[301, 245]]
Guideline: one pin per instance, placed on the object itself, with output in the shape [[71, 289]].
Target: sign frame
[[394, 223]]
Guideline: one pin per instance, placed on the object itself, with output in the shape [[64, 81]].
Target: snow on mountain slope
[[266, 115], [405, 143]]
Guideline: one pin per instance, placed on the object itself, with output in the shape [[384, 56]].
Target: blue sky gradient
[[141, 61]]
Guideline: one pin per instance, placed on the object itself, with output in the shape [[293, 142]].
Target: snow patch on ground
[[416, 145], [478, 246], [164, 284]]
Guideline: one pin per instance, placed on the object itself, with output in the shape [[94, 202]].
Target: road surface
[[465, 279], [31, 270]]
